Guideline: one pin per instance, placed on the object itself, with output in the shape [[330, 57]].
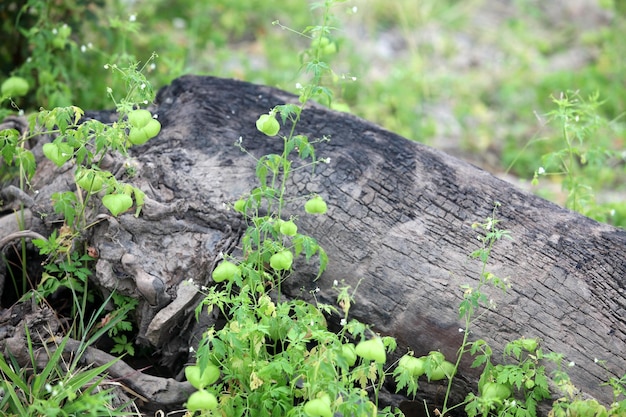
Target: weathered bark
[[398, 226], [42, 323]]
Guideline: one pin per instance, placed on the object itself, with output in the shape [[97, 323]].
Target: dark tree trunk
[[398, 226]]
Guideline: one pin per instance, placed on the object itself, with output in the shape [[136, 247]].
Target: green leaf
[[479, 361], [9, 139], [65, 203], [261, 173], [26, 160], [288, 111], [323, 261]]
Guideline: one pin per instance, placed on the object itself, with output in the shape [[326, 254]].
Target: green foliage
[[524, 380], [583, 162], [280, 355], [277, 357], [121, 327], [71, 273], [62, 49], [61, 387], [515, 387]]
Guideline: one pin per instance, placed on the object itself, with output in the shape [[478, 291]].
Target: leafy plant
[[274, 353], [121, 327], [80, 144], [435, 366], [583, 162], [513, 389], [61, 387], [280, 355]]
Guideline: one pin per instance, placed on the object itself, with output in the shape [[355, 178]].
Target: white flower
[[461, 330], [83, 48], [142, 86], [335, 283], [106, 66], [132, 17], [191, 349], [317, 289], [298, 86], [343, 322], [571, 364], [109, 90], [541, 171]]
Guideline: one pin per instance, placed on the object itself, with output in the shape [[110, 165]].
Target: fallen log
[[398, 227]]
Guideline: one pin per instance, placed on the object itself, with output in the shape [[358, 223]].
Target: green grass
[[418, 65], [493, 83], [454, 75]]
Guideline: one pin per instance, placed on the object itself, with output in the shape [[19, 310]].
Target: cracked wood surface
[[399, 223], [398, 226]]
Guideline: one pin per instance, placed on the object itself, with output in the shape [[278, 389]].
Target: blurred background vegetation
[[474, 78]]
